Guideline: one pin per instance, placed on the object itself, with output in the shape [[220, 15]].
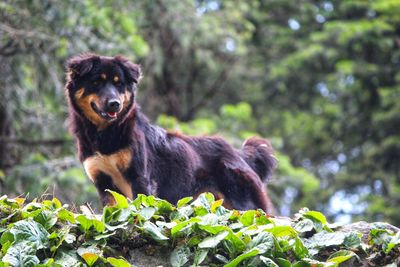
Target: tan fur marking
[[125, 98], [116, 79], [112, 165], [103, 76], [84, 104], [79, 93]]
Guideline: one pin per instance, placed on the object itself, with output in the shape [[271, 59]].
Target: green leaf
[[46, 218], [90, 258], [251, 253], [177, 228], [147, 212], [90, 254], [282, 230], [155, 232], [247, 218], [304, 226], [180, 256], [47, 263], [268, 262], [324, 239], [352, 239], [200, 256], [341, 256], [299, 249], [395, 241], [29, 230], [283, 262], [264, 242], [182, 202], [22, 254], [66, 215], [213, 241], [67, 259], [120, 200], [6, 237], [99, 225], [84, 222], [118, 262]]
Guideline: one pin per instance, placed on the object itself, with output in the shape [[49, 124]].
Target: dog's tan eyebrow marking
[[116, 79], [79, 93], [103, 76]]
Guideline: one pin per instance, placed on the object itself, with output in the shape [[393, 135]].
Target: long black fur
[[168, 165]]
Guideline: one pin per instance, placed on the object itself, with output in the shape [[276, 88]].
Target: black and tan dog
[[120, 150]]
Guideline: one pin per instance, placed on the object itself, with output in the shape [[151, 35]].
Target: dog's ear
[[130, 69], [82, 64]]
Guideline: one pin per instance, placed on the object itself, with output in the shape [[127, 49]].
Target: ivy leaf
[[90, 254], [283, 262], [46, 218], [151, 229], [180, 256], [90, 258], [120, 200], [247, 218], [316, 215], [84, 222], [118, 262], [200, 256], [67, 259], [213, 241], [22, 254], [47, 263], [147, 213], [177, 228], [182, 202], [29, 230], [304, 226], [352, 239], [251, 253], [341, 256], [268, 262], [264, 242], [393, 242], [66, 215]]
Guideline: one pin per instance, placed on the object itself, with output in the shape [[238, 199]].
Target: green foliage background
[[319, 78]]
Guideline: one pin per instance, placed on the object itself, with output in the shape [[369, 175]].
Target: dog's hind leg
[[241, 185]]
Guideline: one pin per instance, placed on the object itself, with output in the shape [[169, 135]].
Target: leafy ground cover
[[197, 232]]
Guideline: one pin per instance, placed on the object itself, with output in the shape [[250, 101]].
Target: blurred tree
[[333, 69], [195, 47], [36, 38]]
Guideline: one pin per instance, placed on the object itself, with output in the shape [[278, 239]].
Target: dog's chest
[[112, 165]]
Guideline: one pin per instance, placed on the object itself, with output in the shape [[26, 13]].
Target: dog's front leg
[[102, 183]]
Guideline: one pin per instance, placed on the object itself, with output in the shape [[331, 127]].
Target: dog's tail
[[258, 153]]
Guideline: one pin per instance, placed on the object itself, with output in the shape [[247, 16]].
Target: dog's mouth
[[108, 115]]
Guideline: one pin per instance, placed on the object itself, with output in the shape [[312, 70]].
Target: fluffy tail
[[258, 153]]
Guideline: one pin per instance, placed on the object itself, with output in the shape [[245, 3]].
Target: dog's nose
[[113, 105]]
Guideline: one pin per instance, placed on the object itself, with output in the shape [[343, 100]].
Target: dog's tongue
[[112, 114]]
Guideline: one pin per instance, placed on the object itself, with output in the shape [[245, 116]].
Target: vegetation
[[319, 78], [195, 233]]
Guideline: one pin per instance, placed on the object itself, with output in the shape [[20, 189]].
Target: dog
[[122, 151]]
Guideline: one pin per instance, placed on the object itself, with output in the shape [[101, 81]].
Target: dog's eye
[[95, 82]]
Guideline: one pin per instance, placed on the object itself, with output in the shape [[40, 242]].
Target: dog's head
[[101, 89]]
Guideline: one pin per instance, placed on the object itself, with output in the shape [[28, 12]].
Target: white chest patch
[[112, 165]]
